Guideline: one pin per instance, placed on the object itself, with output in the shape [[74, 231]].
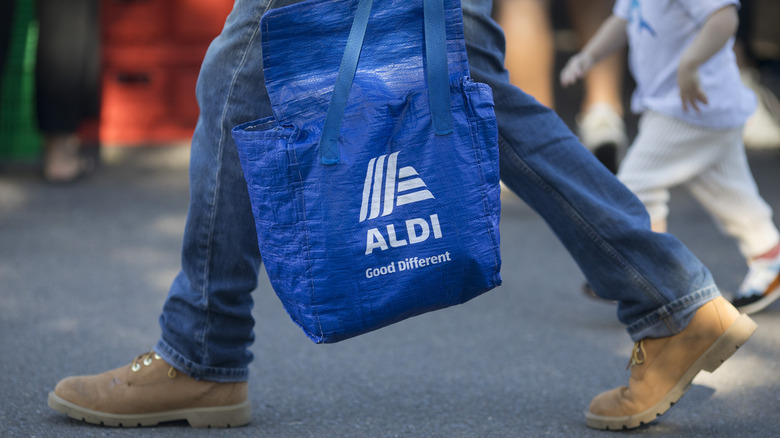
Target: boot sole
[[763, 303], [722, 349], [211, 417]]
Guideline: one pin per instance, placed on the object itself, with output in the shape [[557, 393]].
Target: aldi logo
[[386, 186]]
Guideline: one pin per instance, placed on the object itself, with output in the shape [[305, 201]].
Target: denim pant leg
[[658, 282], [206, 322]]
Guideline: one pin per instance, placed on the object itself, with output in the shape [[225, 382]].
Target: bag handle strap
[[437, 73]]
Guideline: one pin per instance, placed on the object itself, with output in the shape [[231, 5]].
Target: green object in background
[[19, 136]]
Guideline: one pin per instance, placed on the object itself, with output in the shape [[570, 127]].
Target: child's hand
[[576, 68], [714, 34], [691, 93]]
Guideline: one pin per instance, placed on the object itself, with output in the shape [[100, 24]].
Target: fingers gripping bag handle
[[437, 73]]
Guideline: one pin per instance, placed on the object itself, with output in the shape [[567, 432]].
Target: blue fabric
[[384, 234], [436, 57], [206, 324], [329, 148], [438, 80]]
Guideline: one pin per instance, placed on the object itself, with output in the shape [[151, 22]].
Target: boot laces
[[147, 359], [638, 354]]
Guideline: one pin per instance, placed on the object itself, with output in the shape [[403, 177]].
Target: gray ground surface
[[84, 270]]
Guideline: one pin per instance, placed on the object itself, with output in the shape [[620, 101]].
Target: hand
[[576, 68], [691, 93]]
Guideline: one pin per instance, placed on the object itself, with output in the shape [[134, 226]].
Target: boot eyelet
[[135, 367], [148, 361]]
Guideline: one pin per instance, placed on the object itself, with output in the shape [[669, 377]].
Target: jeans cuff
[[196, 371], [673, 317]]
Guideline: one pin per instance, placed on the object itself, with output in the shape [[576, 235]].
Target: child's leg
[[728, 192], [665, 153]]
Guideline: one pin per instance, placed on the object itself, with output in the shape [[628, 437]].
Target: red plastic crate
[[134, 21], [199, 20], [152, 51], [149, 96], [186, 21]]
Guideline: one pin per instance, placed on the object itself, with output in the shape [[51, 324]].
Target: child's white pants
[[712, 165]]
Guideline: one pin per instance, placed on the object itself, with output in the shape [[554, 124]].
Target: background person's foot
[[602, 130], [62, 159]]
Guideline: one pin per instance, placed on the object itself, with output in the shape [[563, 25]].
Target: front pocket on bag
[[263, 151]]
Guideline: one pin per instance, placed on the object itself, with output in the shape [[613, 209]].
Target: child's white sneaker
[[761, 286]]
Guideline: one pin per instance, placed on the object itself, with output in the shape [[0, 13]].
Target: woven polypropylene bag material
[[407, 221]]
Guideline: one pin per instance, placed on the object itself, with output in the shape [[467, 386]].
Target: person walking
[[694, 107], [198, 370], [67, 85], [530, 59]]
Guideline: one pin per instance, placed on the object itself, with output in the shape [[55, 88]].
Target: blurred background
[[122, 73], [139, 58]]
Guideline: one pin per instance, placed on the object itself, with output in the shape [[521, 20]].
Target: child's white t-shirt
[[658, 33]]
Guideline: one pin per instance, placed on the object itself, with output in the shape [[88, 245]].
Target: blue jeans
[[206, 322]]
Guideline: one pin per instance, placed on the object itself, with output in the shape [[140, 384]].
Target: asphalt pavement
[[84, 270]]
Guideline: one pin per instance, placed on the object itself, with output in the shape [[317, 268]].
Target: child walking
[[693, 108]]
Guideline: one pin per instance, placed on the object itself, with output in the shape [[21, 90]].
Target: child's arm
[[714, 34], [610, 37]]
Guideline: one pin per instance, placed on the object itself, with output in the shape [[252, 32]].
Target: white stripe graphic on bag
[[382, 178]]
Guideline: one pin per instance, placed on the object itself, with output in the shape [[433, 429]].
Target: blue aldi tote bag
[[374, 185]]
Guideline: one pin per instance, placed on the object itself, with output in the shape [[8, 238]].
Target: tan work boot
[[148, 392], [663, 369]]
